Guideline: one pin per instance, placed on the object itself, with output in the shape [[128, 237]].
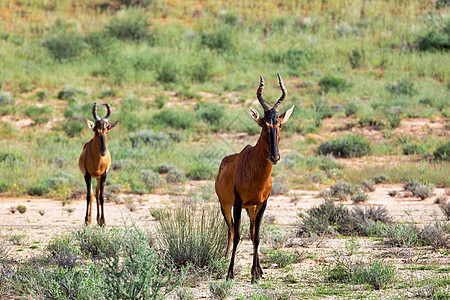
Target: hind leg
[[226, 212]]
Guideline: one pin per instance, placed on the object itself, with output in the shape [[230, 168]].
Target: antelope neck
[[260, 157]]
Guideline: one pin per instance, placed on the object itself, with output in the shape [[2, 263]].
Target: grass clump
[[211, 112], [178, 119], [281, 258], [63, 44], [40, 115], [445, 208], [343, 190], [332, 82], [346, 146], [129, 25], [329, 218], [442, 152], [38, 189], [367, 186], [403, 87], [63, 252], [96, 242], [418, 189], [220, 39], [437, 39], [21, 209], [193, 237], [359, 197], [220, 289], [136, 270]]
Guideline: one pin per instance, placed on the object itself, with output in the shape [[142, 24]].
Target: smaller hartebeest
[[244, 179], [95, 162]]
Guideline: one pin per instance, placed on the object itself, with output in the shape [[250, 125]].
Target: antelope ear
[[90, 124], [111, 126], [255, 116], [285, 116]]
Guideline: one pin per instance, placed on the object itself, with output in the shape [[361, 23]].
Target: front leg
[[101, 219], [88, 218], [256, 268], [237, 209]]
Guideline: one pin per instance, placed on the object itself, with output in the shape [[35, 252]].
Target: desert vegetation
[[359, 205]]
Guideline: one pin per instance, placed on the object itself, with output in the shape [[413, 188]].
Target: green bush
[[351, 109], [442, 152], [382, 178], [343, 190], [160, 100], [210, 112], [203, 170], [281, 258], [151, 179], [292, 57], [72, 128], [178, 119], [202, 71], [21, 209], [176, 176], [359, 197], [160, 140], [346, 146], [367, 186], [40, 115], [63, 252], [71, 94], [4, 186], [418, 189], [62, 43], [38, 190], [10, 157], [331, 82], [220, 290], [192, 237], [220, 38], [136, 270], [403, 87], [412, 148], [356, 58], [438, 38], [97, 242], [6, 99], [168, 71], [129, 25]]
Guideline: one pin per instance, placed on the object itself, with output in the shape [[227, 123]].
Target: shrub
[[63, 44], [38, 190], [193, 237], [404, 87], [202, 170], [281, 258], [41, 95], [356, 58], [445, 208], [39, 115], [147, 137], [59, 180], [167, 71], [96, 242], [377, 274], [72, 128], [412, 148], [178, 119], [63, 252], [359, 197], [382, 178], [346, 146], [71, 94], [436, 39], [343, 190], [10, 157], [220, 39], [417, 189], [442, 152], [220, 290], [160, 101], [202, 70], [436, 235], [279, 187], [16, 239], [367, 186], [210, 112], [6, 99], [136, 270], [331, 82], [4, 186], [351, 109], [151, 179], [21, 209], [176, 176], [129, 25], [292, 57]]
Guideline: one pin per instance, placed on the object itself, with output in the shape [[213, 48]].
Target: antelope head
[[271, 123], [101, 126]]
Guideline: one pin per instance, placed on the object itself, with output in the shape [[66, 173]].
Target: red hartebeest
[[244, 179], [95, 162]]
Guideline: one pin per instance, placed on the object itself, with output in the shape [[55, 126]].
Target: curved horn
[[259, 95], [108, 113], [283, 90], [94, 112]]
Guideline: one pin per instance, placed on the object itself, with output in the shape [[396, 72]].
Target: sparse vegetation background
[[370, 83]]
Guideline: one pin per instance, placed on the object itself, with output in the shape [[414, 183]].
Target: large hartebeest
[[95, 162], [244, 179]]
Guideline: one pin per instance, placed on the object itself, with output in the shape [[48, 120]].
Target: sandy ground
[[38, 230]]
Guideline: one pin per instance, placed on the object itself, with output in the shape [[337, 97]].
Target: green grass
[[190, 75]]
